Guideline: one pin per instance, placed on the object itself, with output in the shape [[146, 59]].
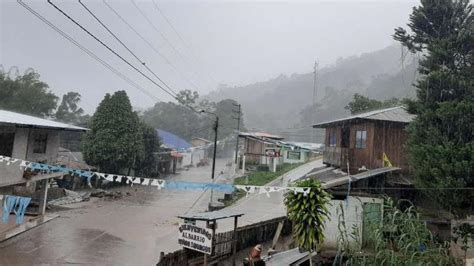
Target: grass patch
[[258, 178], [261, 178]]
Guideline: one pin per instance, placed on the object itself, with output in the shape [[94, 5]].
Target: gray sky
[[231, 42]]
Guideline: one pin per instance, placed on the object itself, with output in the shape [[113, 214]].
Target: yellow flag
[[386, 161]]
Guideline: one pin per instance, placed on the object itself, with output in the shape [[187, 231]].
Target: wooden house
[[361, 141], [200, 142], [258, 146]]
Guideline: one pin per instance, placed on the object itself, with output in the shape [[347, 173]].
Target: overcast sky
[[235, 43]]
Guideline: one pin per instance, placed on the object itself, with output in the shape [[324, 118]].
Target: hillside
[[284, 104]]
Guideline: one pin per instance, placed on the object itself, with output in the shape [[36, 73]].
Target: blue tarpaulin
[[172, 141]]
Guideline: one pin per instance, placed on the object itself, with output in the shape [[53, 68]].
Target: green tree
[[69, 110], [441, 141], [146, 164], [308, 213], [360, 104], [176, 119], [226, 109], [27, 94], [188, 97], [115, 139]]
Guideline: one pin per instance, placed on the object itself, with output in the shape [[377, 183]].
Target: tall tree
[[26, 94], [115, 139], [69, 110], [226, 109], [146, 164], [441, 139], [360, 104]]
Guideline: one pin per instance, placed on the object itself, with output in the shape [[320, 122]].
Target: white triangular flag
[[146, 181]]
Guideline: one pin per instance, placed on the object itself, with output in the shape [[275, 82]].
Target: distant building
[[199, 142], [172, 141], [361, 141], [259, 147]]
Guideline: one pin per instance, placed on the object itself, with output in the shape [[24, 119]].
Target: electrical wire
[[87, 51], [161, 34], [108, 48], [180, 37], [125, 46], [150, 45]]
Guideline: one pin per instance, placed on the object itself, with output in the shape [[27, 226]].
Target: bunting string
[[158, 183]]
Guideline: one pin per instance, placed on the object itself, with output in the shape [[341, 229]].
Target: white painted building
[[28, 138]]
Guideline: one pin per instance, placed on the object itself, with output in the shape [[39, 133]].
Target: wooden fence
[[247, 236]]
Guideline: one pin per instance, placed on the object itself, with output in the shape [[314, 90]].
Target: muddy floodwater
[[132, 230]]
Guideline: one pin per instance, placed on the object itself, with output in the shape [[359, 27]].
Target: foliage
[[441, 143], [360, 104], [186, 123], [261, 178], [187, 97], [145, 165], [401, 239], [225, 109], [26, 94], [69, 111], [115, 139], [308, 213], [464, 233]]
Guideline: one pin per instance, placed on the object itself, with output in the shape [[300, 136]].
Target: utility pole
[[215, 149], [216, 126], [238, 130], [314, 100]]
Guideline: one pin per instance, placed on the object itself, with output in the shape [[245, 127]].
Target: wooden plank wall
[[391, 138]]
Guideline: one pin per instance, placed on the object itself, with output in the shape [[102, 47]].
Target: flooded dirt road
[[132, 230]]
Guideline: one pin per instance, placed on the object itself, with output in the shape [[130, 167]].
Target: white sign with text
[[195, 238]]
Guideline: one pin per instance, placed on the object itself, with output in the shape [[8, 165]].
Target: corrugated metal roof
[[394, 114], [260, 135], [369, 173], [172, 141], [287, 257], [209, 216], [8, 117]]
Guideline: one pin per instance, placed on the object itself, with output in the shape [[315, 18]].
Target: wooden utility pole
[[313, 114]]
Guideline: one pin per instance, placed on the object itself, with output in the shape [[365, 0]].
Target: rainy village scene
[[156, 132]]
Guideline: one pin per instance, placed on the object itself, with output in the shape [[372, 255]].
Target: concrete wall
[[353, 216], [23, 149], [303, 156]]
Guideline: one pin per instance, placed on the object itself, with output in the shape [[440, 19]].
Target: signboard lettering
[[196, 238]]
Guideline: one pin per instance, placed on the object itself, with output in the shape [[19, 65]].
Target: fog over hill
[[283, 104]]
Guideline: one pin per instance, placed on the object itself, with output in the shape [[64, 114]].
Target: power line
[[108, 48], [179, 36], [87, 51], [126, 47], [150, 45], [160, 33]]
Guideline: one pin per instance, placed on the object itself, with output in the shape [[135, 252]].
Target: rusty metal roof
[[8, 117], [211, 216], [394, 114]]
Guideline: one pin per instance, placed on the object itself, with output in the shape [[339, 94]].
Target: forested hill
[[282, 104]]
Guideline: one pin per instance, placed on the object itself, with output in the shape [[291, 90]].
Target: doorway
[[6, 144]]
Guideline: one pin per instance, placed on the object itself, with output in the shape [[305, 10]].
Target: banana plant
[[308, 212]]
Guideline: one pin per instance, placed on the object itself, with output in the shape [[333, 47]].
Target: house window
[[332, 139], [40, 143], [361, 139], [293, 155]]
